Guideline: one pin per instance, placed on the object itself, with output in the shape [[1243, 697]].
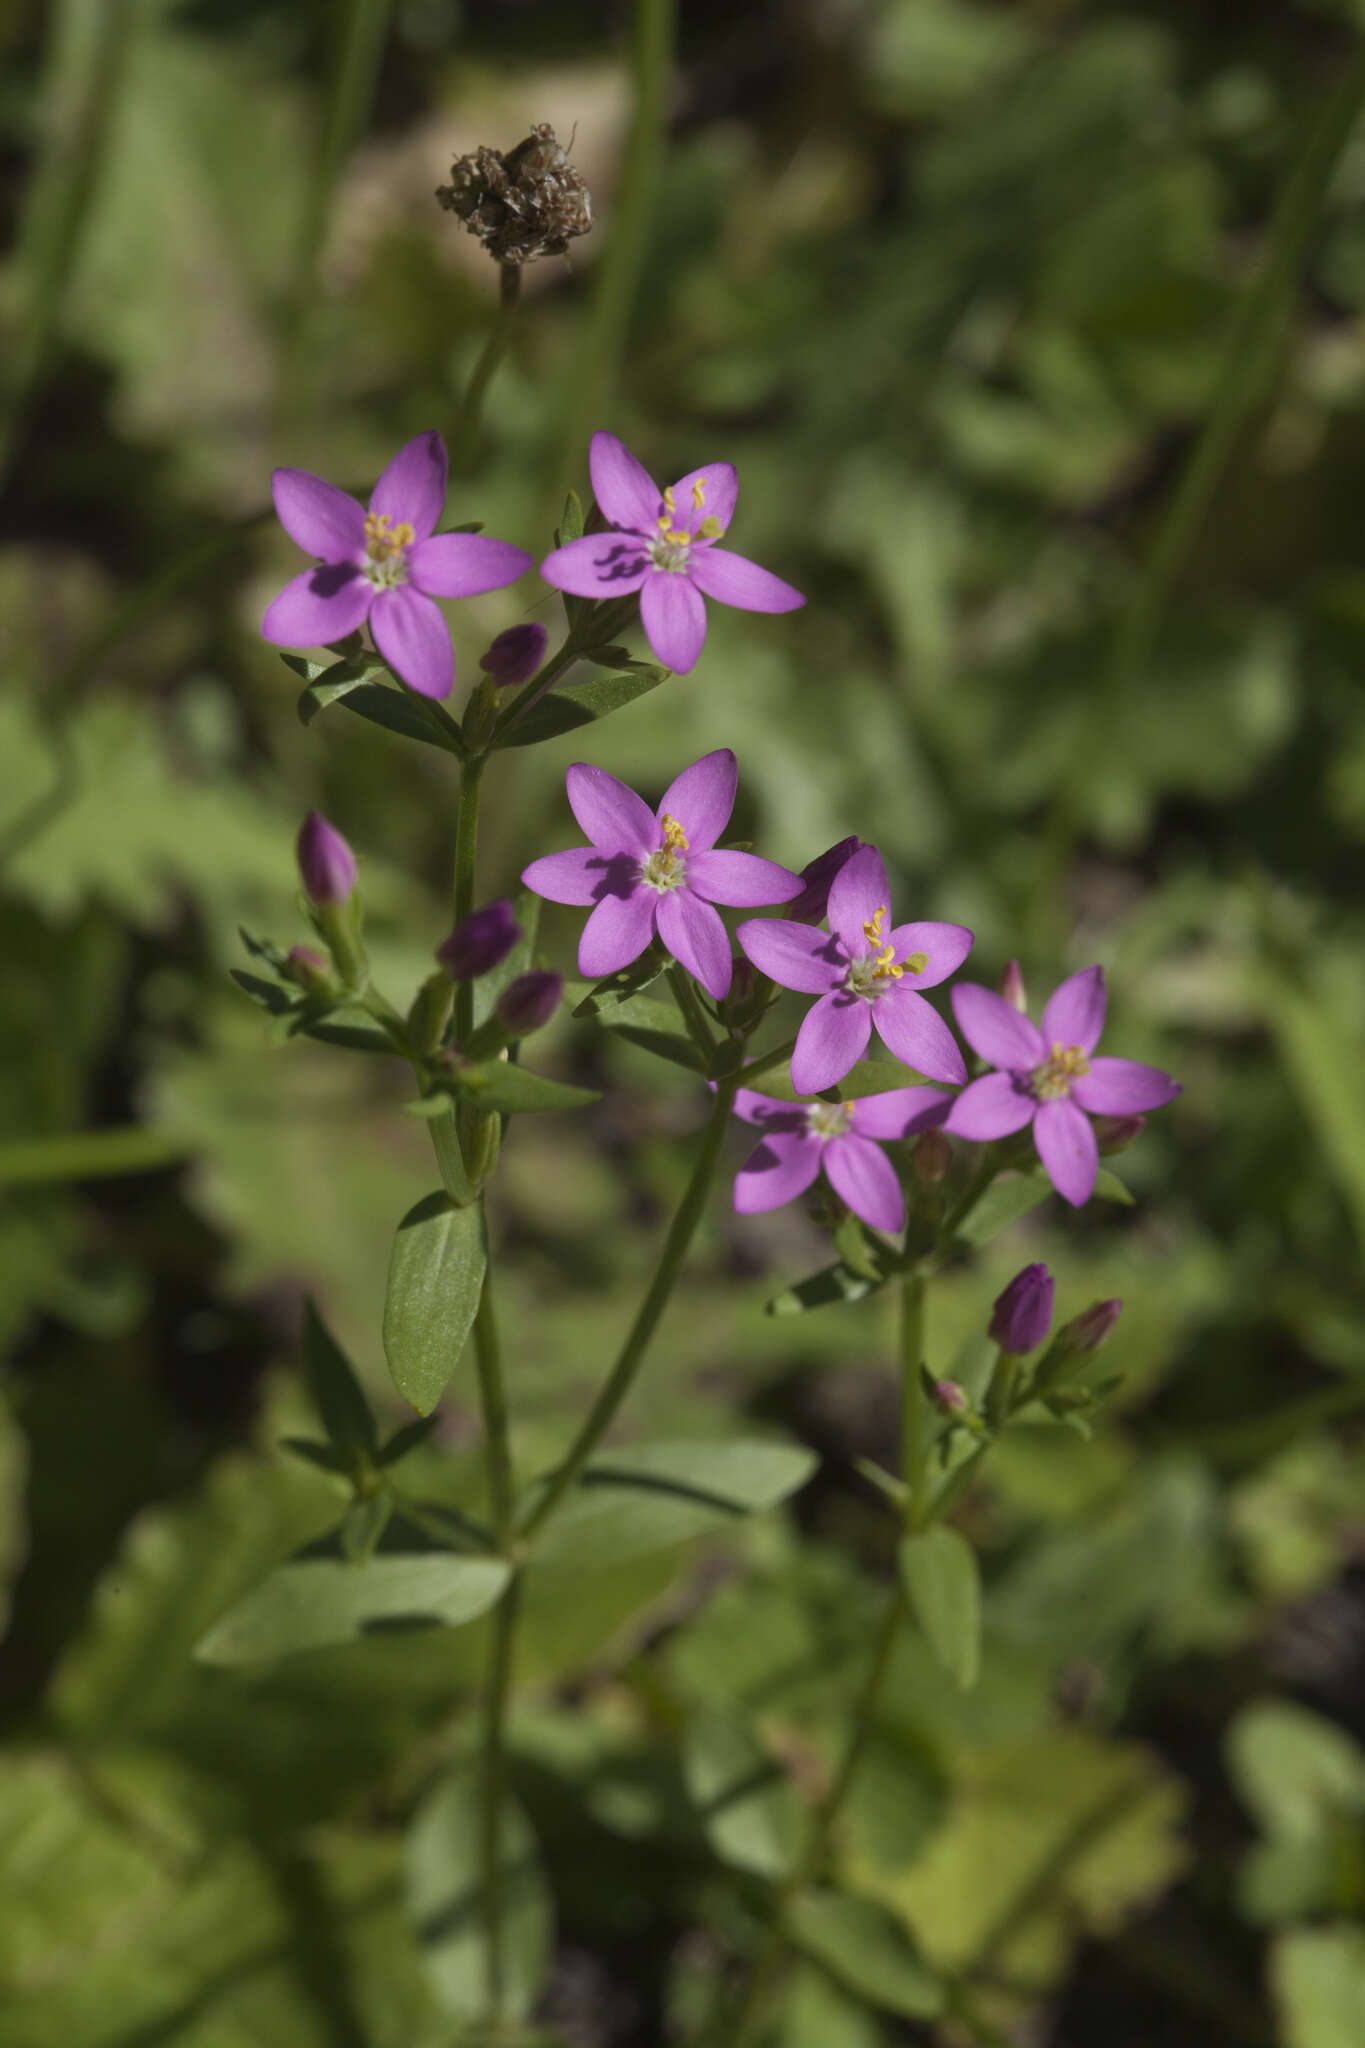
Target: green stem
[[466, 861], [594, 374], [761, 1064], [527, 695], [632, 1354], [914, 1437], [492, 1790], [88, 1155], [465, 438], [1250, 353], [699, 1031], [493, 1401]]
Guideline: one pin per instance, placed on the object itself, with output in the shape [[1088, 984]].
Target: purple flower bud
[[326, 863], [308, 968], [515, 655], [949, 1399], [1011, 986], [931, 1158], [1092, 1327], [530, 1001], [1023, 1313], [481, 943], [811, 905], [1116, 1133]]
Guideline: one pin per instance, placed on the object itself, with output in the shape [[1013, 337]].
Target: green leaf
[[571, 524], [1004, 1202], [396, 710], [279, 1001], [498, 1084], [868, 1077], [313, 1453], [406, 1439], [615, 989], [1317, 1975], [1110, 1188], [751, 1811], [939, 1572], [315, 1602], [833, 1284], [864, 1948], [573, 705], [651, 1496], [665, 1045], [435, 1280], [444, 1887], [341, 1400]]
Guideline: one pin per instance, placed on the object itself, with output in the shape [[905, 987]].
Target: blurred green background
[[1037, 332]]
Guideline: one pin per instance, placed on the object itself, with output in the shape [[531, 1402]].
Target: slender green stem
[[466, 434], [527, 695], [914, 1436], [88, 1155], [493, 1401], [699, 1031], [986, 1169], [765, 1060], [632, 1353], [1252, 346], [492, 1791], [597, 359], [85, 69], [466, 861]]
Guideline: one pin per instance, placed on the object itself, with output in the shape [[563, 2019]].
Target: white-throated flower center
[[1063, 1065], [876, 971], [830, 1119], [671, 547], [386, 551], [666, 868]]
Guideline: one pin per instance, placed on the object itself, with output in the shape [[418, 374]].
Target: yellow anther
[[710, 528], [699, 493], [872, 926], [884, 964], [915, 963], [674, 836], [380, 544]]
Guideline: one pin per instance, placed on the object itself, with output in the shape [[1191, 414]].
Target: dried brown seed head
[[529, 203]]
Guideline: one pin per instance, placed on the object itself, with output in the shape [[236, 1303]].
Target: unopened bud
[[1023, 1312], [949, 1398], [811, 905], [1011, 986], [481, 942], [1116, 1133], [529, 1001], [931, 1158], [515, 655], [308, 969], [326, 863], [1092, 1327]]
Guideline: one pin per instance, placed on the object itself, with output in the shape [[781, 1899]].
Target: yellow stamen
[[674, 836], [380, 544], [1054, 1077], [872, 926], [710, 528], [699, 493]]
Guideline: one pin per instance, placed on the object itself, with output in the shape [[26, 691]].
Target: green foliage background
[[952, 282]]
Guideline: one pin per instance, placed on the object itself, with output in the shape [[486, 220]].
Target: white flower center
[[830, 1119], [665, 868], [1063, 1065], [386, 551]]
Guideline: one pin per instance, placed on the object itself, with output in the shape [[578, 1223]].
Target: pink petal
[[465, 564], [777, 1171], [324, 521], [625, 491], [581, 875], [674, 619], [414, 640], [702, 798], [993, 1107], [599, 565], [1075, 1011], [743, 880], [695, 936], [915, 1033], [719, 491], [413, 487], [794, 955], [996, 1030], [900, 1112], [1067, 1148], [832, 1039], [617, 932], [947, 946], [857, 893], [1115, 1087], [318, 607], [768, 1113], [865, 1179], [733, 579], [613, 817]]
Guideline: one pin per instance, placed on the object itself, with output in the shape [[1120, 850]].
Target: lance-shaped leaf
[[601, 997], [361, 685], [650, 1496], [340, 1397], [571, 706], [864, 1948], [435, 1280], [315, 1603], [665, 1045], [825, 1289], [498, 1084], [444, 1886], [939, 1572]]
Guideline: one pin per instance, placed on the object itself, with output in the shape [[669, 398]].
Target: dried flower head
[[529, 203]]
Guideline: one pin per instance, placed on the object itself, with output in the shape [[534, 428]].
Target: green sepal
[[570, 526], [340, 1398], [567, 707]]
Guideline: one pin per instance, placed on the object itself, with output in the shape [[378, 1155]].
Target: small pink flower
[[1050, 1078], [658, 870], [801, 1139], [663, 544], [387, 565]]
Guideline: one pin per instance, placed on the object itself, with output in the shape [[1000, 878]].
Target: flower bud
[[1023, 1313], [949, 1398], [1091, 1328], [1116, 1133], [326, 863], [515, 655], [308, 969], [811, 905], [481, 942], [931, 1158], [529, 1001], [1011, 986]]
